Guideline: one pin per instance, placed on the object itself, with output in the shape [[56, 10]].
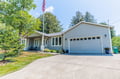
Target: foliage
[[17, 63], [80, 17], [77, 18], [15, 13], [9, 42], [47, 50], [59, 51], [52, 24], [116, 41], [103, 23], [112, 32], [89, 17], [8, 7], [23, 22], [54, 51]]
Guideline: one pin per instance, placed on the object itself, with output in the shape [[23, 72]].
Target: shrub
[[59, 51], [47, 50], [116, 42], [9, 42], [54, 51]]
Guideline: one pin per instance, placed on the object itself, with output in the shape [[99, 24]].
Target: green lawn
[[20, 62]]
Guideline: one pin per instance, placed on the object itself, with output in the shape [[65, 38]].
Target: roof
[[60, 33], [51, 34]]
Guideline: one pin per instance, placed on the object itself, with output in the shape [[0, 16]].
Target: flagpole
[[42, 46], [43, 9]]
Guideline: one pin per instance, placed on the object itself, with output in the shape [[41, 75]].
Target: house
[[84, 37]]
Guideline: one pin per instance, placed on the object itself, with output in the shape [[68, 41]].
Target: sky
[[102, 10]]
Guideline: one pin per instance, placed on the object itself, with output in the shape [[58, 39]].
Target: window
[[81, 38], [60, 40], [23, 41], [93, 37], [53, 41], [36, 43], [85, 38], [74, 39], [98, 37], [70, 39], [89, 38], [77, 39], [56, 41], [45, 42]]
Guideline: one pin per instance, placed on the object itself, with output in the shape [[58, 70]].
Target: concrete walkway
[[70, 67]]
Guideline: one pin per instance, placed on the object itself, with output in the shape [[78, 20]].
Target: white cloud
[[50, 9]]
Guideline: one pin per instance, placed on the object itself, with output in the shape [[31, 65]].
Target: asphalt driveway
[[70, 67]]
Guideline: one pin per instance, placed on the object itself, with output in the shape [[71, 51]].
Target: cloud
[[50, 9]]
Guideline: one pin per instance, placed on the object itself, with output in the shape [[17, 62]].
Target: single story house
[[84, 37]]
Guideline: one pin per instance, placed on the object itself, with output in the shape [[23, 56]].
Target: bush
[[54, 51], [59, 51], [10, 43], [47, 50], [116, 42]]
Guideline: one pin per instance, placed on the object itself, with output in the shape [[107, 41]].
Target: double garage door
[[86, 45]]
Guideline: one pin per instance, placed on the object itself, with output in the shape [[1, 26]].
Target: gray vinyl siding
[[85, 30]]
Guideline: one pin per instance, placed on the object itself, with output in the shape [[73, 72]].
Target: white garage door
[[86, 45]]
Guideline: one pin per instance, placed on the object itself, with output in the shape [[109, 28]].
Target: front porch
[[34, 43]]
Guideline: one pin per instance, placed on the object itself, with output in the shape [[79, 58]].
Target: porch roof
[[52, 34]]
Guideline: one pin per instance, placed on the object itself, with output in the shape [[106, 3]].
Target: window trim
[[58, 44]]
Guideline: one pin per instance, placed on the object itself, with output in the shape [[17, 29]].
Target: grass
[[20, 62]]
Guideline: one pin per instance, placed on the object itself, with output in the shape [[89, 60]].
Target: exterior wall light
[[105, 35]]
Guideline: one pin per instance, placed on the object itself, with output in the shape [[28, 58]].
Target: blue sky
[[103, 10]]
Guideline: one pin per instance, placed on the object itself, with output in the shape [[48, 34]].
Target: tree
[[80, 17], [9, 42], [89, 18], [8, 7], [77, 18], [103, 23], [24, 23], [112, 32], [52, 25], [116, 41], [15, 13]]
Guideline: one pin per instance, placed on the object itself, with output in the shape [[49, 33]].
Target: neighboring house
[[84, 37]]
